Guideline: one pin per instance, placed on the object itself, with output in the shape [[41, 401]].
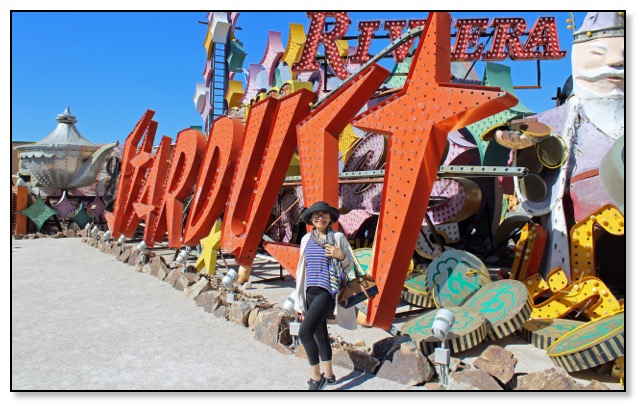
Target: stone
[[203, 299], [134, 256], [240, 311], [193, 291], [593, 385], [124, 256], [18, 237], [182, 283], [69, 233], [382, 347], [354, 359], [145, 268], [251, 319], [498, 362], [221, 312], [158, 267], [60, 235], [284, 349], [30, 236], [272, 327], [434, 386], [471, 380], [172, 277], [91, 242], [192, 278], [406, 364], [552, 379]]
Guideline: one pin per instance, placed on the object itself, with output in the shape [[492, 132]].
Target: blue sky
[[112, 66]]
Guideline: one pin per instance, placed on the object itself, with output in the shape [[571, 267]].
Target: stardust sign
[[239, 170], [542, 42]]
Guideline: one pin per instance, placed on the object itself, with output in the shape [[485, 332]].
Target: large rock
[[60, 235], [185, 280], [134, 257], [354, 359], [158, 267], [172, 277], [204, 299], [69, 233], [251, 319], [240, 311], [221, 312], [272, 327], [405, 363], [552, 379], [471, 380], [196, 289], [382, 347], [498, 362], [124, 256]]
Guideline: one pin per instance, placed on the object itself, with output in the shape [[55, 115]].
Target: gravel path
[[81, 320]]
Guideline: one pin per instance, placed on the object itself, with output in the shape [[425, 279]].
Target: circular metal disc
[[455, 275], [590, 345], [416, 291], [543, 332], [467, 332], [505, 304]]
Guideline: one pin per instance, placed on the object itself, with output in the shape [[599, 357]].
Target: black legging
[[313, 330]]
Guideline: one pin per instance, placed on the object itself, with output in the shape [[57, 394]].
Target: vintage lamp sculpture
[[228, 282], [444, 320], [288, 307], [64, 159]]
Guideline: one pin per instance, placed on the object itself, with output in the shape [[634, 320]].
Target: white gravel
[[81, 320]]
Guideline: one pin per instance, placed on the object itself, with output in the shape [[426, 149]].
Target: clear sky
[[109, 67]]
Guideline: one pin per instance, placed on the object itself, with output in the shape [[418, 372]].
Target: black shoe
[[330, 380], [317, 385]]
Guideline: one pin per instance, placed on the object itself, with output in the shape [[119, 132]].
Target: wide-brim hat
[[320, 206]]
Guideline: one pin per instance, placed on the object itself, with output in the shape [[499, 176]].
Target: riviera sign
[[542, 42]]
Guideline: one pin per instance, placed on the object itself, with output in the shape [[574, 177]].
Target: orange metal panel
[[215, 178], [286, 254], [151, 195], [418, 120], [184, 167], [258, 179], [245, 174], [22, 203], [131, 177], [318, 135]]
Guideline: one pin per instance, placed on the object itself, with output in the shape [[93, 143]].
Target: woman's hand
[[301, 316], [334, 251]]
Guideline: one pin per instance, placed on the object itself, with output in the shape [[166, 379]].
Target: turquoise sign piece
[[505, 304], [454, 276], [468, 330]]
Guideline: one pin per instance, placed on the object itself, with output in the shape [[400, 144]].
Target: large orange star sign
[[417, 120]]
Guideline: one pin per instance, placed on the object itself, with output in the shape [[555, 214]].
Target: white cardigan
[[345, 317]]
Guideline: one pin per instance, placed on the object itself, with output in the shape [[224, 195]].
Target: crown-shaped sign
[[601, 25]]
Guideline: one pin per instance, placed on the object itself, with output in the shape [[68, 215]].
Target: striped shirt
[[317, 264]]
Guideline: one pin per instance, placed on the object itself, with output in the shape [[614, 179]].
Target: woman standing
[[325, 259]]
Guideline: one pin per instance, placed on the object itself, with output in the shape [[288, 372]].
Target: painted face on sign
[[598, 67]]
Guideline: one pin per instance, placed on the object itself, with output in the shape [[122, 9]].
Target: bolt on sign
[[239, 172], [506, 43]]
